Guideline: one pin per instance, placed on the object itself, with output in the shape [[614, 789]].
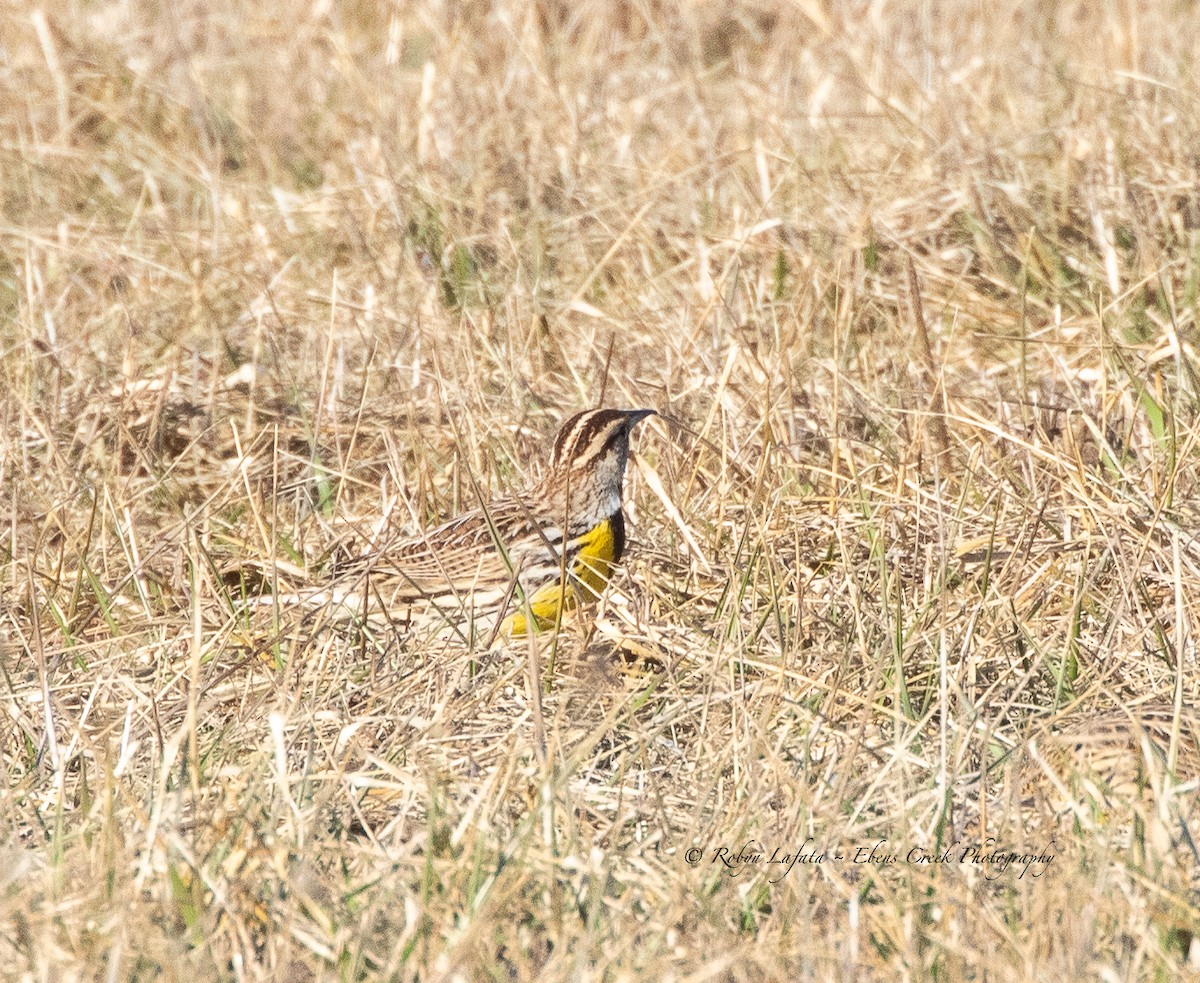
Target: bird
[[520, 562]]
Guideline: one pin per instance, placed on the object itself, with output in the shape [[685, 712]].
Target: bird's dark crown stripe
[[581, 430], [587, 435]]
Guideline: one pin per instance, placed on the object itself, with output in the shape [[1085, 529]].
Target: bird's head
[[588, 460]]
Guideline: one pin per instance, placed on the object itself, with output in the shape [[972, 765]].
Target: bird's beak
[[634, 417]]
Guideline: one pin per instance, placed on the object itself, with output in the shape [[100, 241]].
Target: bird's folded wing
[[477, 551]]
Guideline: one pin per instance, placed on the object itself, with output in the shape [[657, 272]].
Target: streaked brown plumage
[[507, 559]]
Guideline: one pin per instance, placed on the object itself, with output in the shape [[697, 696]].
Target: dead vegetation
[[914, 543]]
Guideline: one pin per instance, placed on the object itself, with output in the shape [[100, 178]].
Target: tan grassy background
[[913, 557]]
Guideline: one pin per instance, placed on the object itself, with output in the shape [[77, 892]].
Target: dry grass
[[914, 560]]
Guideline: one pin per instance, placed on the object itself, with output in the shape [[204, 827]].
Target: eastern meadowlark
[[530, 556]]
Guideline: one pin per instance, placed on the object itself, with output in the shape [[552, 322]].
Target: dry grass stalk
[[281, 284]]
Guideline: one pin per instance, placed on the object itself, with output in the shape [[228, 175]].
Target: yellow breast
[[588, 577]]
